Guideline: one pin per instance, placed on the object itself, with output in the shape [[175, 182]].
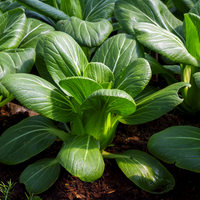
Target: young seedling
[[6, 190]]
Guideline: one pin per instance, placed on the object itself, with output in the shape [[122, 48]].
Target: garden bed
[[113, 184]]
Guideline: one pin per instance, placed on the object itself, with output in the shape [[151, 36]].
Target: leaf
[[40, 63], [39, 176], [193, 34], [164, 42], [115, 101], [134, 78], [145, 171], [26, 139], [131, 12], [145, 93], [98, 9], [197, 78], [15, 61], [99, 73], [179, 145], [35, 15], [118, 52], [43, 9], [79, 87], [63, 56], [196, 8], [87, 34], [184, 5], [72, 8], [11, 28], [155, 105], [40, 96], [81, 157], [8, 5], [34, 30]]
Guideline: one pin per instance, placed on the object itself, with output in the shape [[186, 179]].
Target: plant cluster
[[94, 69]]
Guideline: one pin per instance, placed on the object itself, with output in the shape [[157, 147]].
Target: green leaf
[[39, 95], [40, 63], [193, 34], [164, 42], [197, 78], [63, 56], [72, 8], [81, 157], [43, 9], [39, 176], [134, 78], [132, 12], [26, 139], [155, 105], [146, 92], [87, 34], [179, 145], [12, 28], [79, 87], [99, 73], [8, 5], [98, 9], [15, 61], [196, 8], [184, 5], [115, 101], [118, 52], [145, 171], [34, 30]]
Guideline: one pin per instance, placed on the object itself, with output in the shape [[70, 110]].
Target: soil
[[113, 184]]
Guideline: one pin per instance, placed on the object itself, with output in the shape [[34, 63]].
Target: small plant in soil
[[90, 98], [6, 190]]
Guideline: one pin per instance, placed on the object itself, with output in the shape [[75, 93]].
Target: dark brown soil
[[113, 184]]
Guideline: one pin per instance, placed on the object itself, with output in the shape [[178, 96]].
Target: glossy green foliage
[[94, 28], [26, 139], [39, 95], [15, 61], [86, 33], [145, 171], [71, 8], [40, 175], [86, 22], [154, 105], [94, 97], [161, 31], [179, 145], [12, 28], [197, 78], [43, 9], [81, 156], [158, 29], [184, 5], [33, 31], [19, 37]]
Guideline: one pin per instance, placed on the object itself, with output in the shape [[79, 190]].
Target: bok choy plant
[[159, 30], [90, 98], [19, 37], [86, 21]]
